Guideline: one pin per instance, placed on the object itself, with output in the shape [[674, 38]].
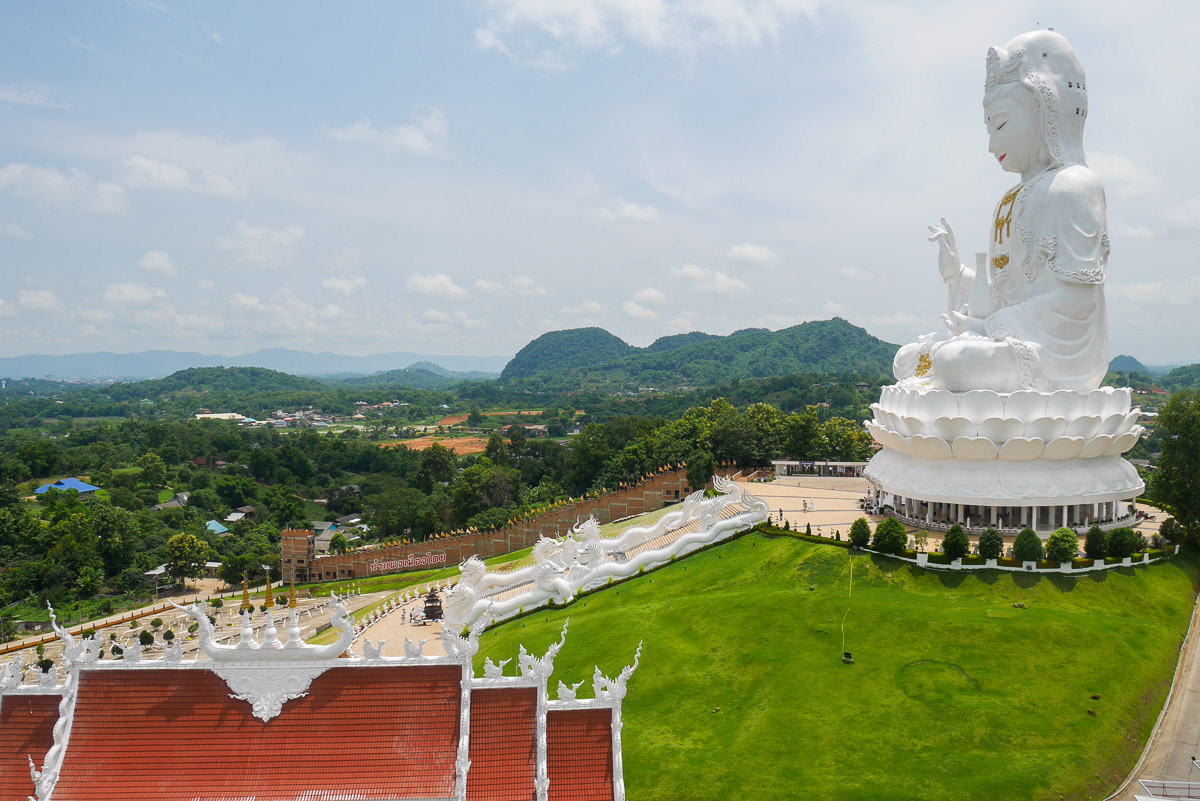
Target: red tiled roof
[[26, 730], [503, 744], [175, 735], [579, 754]]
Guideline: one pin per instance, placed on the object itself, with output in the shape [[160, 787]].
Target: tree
[[1123, 542], [186, 555], [1028, 546], [699, 468], [956, 543], [145, 638], [475, 419], [337, 543], [802, 434], [154, 472], [437, 467], [890, 536], [1095, 544], [1062, 545], [860, 533], [1170, 530], [1176, 482], [991, 544]]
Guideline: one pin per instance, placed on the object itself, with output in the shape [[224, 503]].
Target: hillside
[[1127, 364], [200, 381], [422, 375], [1181, 378], [560, 351], [826, 346], [954, 693], [678, 341]]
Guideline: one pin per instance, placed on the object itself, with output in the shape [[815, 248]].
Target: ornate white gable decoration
[[269, 674]]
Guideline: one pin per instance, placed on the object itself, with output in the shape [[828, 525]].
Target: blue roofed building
[[216, 528], [82, 487]]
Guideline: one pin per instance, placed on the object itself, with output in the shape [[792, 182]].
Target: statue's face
[[1015, 129]]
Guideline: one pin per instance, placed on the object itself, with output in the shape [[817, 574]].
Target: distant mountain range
[[593, 356], [158, 363]]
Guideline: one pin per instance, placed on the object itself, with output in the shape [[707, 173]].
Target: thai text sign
[[427, 559]]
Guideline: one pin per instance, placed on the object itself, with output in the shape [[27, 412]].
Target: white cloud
[[679, 26], [144, 172], [36, 299], [26, 97], [588, 308], [95, 315], [834, 309], [459, 319], [206, 284], [627, 210], [5, 308], [15, 231], [637, 311], [650, 295], [70, 188], [343, 285], [1155, 294], [267, 247], [250, 302], [1117, 171], [527, 286], [713, 281], [681, 324], [128, 293], [215, 37], [1126, 231], [1185, 214], [759, 255], [433, 284], [777, 321], [424, 137], [158, 261], [484, 285]]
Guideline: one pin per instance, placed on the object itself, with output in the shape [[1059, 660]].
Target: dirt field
[[460, 445]]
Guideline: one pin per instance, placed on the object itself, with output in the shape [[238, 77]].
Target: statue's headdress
[[1044, 62]]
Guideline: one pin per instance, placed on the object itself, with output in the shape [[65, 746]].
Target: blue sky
[[459, 177]]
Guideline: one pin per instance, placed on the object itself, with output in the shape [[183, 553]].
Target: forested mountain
[[678, 341], [593, 357], [1127, 364], [565, 350], [1187, 377], [422, 375]]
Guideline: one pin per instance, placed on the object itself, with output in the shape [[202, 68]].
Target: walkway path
[[1177, 740]]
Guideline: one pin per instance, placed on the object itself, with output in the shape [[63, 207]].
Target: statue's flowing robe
[[1045, 280]]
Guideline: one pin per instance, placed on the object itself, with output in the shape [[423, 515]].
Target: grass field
[[953, 694]]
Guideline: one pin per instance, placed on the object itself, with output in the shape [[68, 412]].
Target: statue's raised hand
[[949, 262]]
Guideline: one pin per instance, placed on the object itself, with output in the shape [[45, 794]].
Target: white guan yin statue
[[1014, 381]]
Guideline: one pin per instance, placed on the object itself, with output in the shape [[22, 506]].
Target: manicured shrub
[[956, 543], [990, 544], [1170, 530], [156, 623], [1084, 562], [939, 559], [974, 560], [1028, 546], [146, 638], [808, 529], [1123, 542], [860, 533], [1002, 562], [890, 536], [1095, 544], [1062, 545]]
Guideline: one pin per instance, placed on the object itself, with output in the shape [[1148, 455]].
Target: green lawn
[[954, 693]]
